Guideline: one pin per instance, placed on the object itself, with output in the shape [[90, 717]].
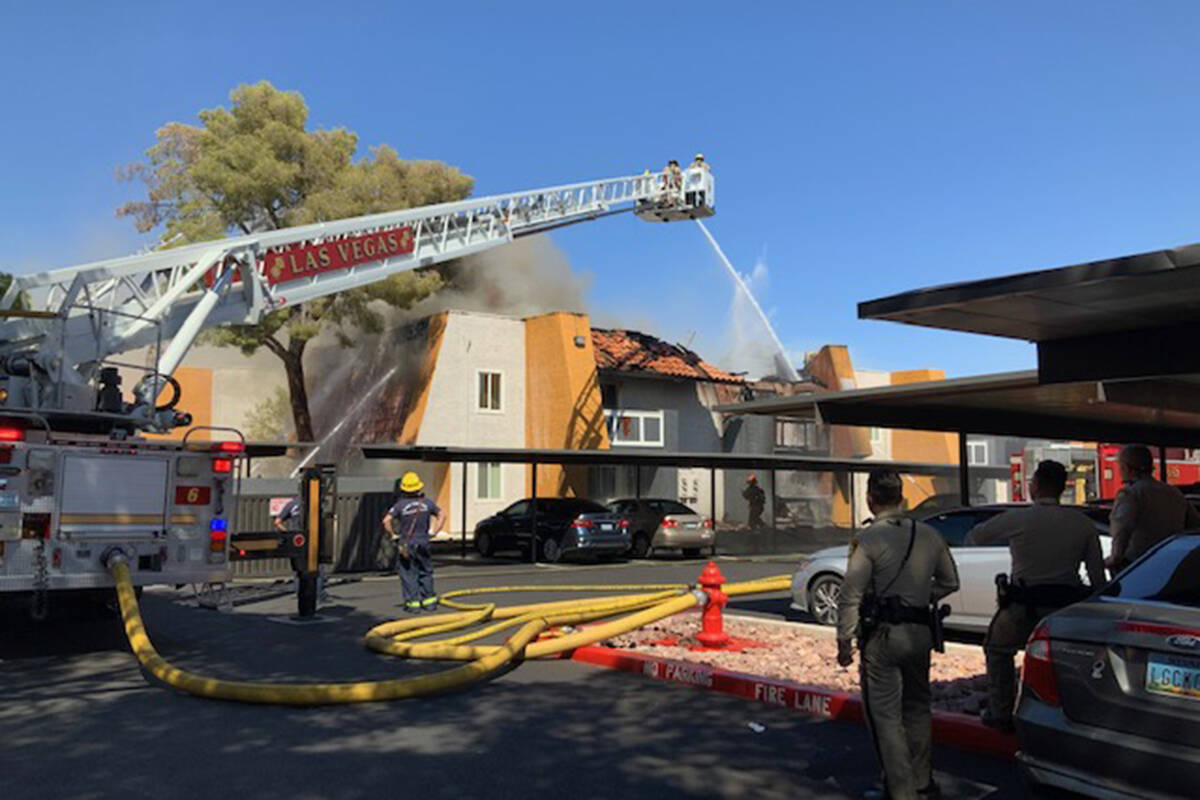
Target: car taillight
[[222, 465], [12, 435], [623, 524], [1038, 673], [583, 523], [229, 447], [669, 523], [708, 524]]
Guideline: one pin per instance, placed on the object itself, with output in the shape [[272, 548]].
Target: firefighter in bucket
[[409, 522]]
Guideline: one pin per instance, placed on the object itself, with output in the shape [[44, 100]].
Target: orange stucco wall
[[415, 412], [196, 383], [562, 398], [927, 446]]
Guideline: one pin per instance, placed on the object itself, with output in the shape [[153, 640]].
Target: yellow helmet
[[411, 483]]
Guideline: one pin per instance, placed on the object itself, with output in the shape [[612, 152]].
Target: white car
[[818, 582]]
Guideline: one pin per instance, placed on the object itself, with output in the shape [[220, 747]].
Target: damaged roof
[[631, 351]]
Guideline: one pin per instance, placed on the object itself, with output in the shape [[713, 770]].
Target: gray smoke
[[530, 276]]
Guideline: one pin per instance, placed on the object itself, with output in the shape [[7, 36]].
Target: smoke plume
[[530, 276]]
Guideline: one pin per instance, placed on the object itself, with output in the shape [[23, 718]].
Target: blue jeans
[[416, 574]]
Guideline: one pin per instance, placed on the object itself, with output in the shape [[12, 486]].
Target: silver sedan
[[818, 581]]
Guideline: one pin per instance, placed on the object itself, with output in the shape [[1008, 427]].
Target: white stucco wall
[[474, 342]]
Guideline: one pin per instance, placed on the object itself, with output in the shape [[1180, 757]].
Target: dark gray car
[[1110, 690]]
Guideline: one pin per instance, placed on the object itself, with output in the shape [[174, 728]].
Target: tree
[[254, 167]]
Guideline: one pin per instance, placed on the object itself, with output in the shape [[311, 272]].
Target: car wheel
[[641, 545], [484, 544], [551, 551], [823, 598], [691, 552]]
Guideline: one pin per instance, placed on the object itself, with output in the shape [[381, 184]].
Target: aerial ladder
[[76, 477], [59, 329]]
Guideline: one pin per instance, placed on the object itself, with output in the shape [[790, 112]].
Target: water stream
[[782, 362], [349, 415]]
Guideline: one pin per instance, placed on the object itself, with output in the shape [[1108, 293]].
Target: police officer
[[898, 569], [1047, 542], [408, 522], [1146, 510]]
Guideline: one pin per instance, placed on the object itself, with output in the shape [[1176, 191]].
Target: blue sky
[[861, 149]]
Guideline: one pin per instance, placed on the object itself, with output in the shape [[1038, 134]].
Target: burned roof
[[634, 352]]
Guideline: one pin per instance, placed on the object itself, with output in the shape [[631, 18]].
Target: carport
[[770, 464], [1117, 357]]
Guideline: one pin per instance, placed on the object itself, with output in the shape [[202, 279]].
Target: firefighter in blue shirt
[[409, 522]]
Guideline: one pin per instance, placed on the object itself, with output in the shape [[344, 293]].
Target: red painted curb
[[955, 730]]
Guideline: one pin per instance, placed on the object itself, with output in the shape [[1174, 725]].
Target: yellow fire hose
[[651, 603]]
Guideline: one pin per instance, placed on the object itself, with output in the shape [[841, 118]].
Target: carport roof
[[735, 461], [1010, 404], [1155, 289]]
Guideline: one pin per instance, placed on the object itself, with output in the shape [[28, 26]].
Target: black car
[[1110, 692], [565, 526]]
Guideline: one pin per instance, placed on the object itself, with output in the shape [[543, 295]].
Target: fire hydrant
[[712, 628]]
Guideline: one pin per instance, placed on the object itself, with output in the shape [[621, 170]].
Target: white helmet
[[699, 157]]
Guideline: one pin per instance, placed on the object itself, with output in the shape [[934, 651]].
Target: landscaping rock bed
[[799, 654]]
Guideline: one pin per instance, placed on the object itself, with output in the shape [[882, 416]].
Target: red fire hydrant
[[712, 633]]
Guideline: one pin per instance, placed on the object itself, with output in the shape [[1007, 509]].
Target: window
[[977, 453], [1170, 574], [797, 434], [877, 436], [636, 428], [518, 509], [608, 395], [487, 481], [489, 391], [954, 527]]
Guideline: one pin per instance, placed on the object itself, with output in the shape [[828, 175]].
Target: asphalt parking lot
[[78, 719]]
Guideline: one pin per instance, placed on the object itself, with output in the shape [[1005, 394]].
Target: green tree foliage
[[255, 166]]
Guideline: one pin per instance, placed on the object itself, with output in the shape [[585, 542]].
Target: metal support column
[[712, 496], [1162, 465], [850, 496], [964, 478], [774, 502], [464, 509], [637, 481], [533, 517]]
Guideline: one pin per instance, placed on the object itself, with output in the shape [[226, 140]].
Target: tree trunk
[[292, 357]]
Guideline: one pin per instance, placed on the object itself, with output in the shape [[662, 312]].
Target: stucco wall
[[470, 343]]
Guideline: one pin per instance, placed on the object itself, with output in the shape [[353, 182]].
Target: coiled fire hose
[[649, 604]]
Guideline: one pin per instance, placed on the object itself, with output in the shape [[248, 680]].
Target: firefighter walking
[[409, 522], [898, 569], [1048, 542]]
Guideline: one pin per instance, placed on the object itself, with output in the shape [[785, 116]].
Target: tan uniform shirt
[[1147, 511], [1047, 541], [876, 558]]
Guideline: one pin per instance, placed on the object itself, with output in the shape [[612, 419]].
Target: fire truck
[[1092, 473], [80, 478]]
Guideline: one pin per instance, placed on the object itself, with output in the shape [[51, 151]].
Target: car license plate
[[1174, 676], [693, 525], [606, 526]]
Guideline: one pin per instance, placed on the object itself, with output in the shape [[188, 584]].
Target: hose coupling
[[114, 555]]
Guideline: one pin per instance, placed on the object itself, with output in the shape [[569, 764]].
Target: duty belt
[[1039, 596]]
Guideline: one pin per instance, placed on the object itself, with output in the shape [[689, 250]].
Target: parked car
[[656, 524], [941, 502], [1110, 695], [818, 582], [565, 526]]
